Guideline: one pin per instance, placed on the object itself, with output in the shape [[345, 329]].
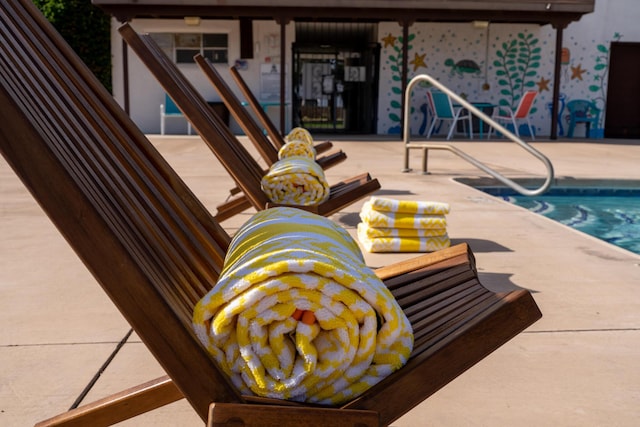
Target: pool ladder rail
[[425, 147]]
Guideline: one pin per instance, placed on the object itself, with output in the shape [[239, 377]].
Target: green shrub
[[86, 28]]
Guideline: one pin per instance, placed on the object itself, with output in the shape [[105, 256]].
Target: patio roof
[[558, 12]]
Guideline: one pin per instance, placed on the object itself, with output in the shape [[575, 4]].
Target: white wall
[[587, 41], [458, 56], [433, 43], [146, 94]]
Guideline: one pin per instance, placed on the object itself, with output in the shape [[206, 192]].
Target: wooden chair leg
[[120, 406]]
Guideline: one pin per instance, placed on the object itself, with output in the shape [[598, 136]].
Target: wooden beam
[[556, 83], [405, 72]]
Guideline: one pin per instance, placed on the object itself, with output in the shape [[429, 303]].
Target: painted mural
[[393, 58], [493, 65]]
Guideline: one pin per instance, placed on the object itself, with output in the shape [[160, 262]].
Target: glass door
[[335, 89]]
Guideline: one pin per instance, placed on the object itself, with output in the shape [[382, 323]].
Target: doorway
[[335, 78], [622, 118]]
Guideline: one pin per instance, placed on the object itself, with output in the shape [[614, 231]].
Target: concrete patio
[[578, 366]]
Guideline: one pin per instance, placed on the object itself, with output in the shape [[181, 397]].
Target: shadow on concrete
[[349, 220], [481, 245], [387, 192], [499, 282]]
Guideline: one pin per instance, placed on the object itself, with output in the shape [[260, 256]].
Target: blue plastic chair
[[582, 111], [442, 110], [170, 109]]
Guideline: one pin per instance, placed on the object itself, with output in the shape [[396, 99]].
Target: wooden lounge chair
[[264, 119], [99, 179], [267, 146], [238, 162]]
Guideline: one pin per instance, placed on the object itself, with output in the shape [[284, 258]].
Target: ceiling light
[[192, 21]]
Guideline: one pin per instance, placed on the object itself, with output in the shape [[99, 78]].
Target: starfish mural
[[418, 61], [543, 84], [576, 72], [389, 40]]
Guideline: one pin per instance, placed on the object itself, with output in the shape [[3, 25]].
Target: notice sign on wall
[[270, 81]]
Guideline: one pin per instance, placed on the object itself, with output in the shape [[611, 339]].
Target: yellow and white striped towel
[[297, 148], [381, 219], [300, 134], [409, 206], [297, 315], [404, 244], [368, 232], [297, 181]]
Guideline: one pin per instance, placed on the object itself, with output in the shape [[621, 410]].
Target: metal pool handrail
[[407, 135]]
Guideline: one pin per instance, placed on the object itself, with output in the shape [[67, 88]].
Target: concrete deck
[[578, 366]]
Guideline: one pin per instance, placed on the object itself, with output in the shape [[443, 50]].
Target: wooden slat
[[268, 147], [110, 194], [264, 119], [232, 207], [325, 161], [268, 151], [232, 155], [229, 415], [119, 407], [438, 365]]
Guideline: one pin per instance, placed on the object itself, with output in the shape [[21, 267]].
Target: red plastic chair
[[505, 114]]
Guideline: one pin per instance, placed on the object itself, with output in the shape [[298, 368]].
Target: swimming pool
[[610, 213]]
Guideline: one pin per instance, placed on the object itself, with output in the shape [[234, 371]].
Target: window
[[182, 47]]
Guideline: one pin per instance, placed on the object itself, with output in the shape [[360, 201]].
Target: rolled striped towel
[[297, 181], [297, 148], [381, 219], [297, 315], [365, 231], [409, 206], [300, 134]]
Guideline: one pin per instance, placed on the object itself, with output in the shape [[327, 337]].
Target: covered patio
[[559, 14]]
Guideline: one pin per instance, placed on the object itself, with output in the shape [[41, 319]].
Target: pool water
[[612, 215]]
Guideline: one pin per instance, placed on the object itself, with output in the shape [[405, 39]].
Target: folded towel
[[408, 206], [297, 315], [405, 244], [365, 231], [297, 148], [296, 181], [300, 134], [380, 219]]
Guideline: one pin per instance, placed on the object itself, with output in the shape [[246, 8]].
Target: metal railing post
[[425, 147]]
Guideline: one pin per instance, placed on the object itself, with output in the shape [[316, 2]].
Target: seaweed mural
[[516, 68], [601, 69], [395, 65]]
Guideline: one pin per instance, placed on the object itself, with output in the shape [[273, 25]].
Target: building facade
[[347, 76]]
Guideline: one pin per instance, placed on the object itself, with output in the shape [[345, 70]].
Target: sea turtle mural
[[462, 67]]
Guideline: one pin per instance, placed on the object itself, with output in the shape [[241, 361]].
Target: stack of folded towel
[[296, 314], [296, 179], [390, 225]]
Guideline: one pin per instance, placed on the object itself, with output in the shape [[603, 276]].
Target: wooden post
[[283, 21], [405, 63], [556, 81]]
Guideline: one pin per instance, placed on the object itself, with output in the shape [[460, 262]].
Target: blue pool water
[[610, 214]]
